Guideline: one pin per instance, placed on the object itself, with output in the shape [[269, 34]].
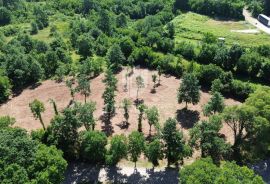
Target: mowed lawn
[[192, 26]]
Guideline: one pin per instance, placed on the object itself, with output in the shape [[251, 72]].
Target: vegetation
[[204, 171], [75, 41]]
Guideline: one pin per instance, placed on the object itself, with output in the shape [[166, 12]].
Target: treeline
[[26, 61], [228, 9], [259, 6]]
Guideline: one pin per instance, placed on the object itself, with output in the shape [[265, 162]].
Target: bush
[[186, 49], [208, 73], [241, 90], [93, 146], [5, 88]]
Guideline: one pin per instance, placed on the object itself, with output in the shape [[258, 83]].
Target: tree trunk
[[41, 121], [85, 98], [137, 95]]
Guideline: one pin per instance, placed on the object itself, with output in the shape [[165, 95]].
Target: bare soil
[[165, 98]]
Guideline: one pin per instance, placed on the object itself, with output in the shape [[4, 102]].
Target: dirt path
[[255, 22]]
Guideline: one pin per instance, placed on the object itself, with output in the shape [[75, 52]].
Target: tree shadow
[[107, 127], [168, 176], [187, 118], [123, 125], [78, 172], [81, 173], [138, 102]]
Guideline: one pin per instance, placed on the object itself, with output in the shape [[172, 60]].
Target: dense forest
[[105, 36]]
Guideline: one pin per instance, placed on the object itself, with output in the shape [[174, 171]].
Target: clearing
[[192, 26], [165, 99]]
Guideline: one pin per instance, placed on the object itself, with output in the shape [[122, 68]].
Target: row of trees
[[224, 8]]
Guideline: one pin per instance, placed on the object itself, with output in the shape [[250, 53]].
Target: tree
[[204, 171], [135, 145], [118, 149], [205, 136], [41, 17], [24, 160], [86, 114], [48, 162], [34, 28], [5, 16], [63, 133], [189, 90], [152, 116], [37, 107], [121, 21], [54, 106], [126, 104], [104, 22], [171, 30], [141, 109], [243, 122], [181, 4], [115, 57], [69, 84], [159, 73], [140, 84], [93, 146], [175, 148], [154, 151], [215, 105], [154, 79], [216, 86], [84, 86], [84, 44]]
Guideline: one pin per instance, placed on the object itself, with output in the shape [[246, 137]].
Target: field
[[164, 98], [192, 26]]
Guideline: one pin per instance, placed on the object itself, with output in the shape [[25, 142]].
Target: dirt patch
[[164, 99]]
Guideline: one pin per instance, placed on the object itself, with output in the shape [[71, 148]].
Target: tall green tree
[[93, 146], [64, 132], [141, 109], [86, 114], [135, 145], [37, 107], [154, 151], [84, 86], [215, 105], [115, 57], [175, 148], [189, 90], [118, 149], [205, 136], [244, 123], [153, 117], [104, 22], [126, 104]]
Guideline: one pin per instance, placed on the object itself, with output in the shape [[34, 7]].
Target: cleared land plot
[[192, 26], [164, 99]]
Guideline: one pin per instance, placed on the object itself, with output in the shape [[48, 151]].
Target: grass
[[192, 26]]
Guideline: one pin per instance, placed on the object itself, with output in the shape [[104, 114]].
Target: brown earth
[[164, 99]]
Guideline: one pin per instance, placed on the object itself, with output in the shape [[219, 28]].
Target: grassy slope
[[192, 26]]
